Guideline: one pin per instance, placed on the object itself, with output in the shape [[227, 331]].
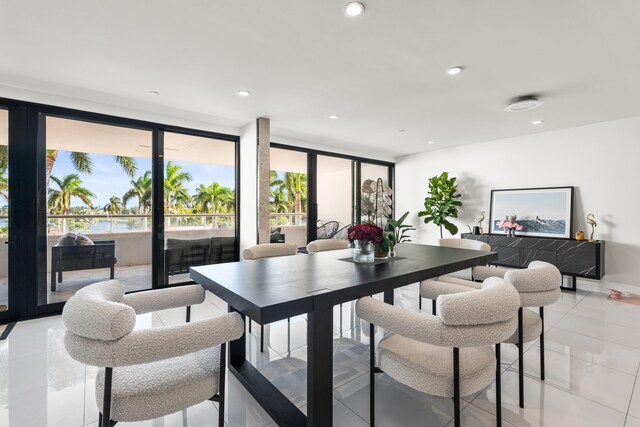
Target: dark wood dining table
[[272, 289]]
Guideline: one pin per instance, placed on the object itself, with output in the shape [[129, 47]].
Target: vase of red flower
[[364, 238]]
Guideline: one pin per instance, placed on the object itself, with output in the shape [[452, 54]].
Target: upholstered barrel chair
[[327, 245], [538, 286], [468, 274], [448, 355], [268, 250], [148, 373]]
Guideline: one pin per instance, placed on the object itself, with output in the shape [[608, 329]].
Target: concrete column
[[264, 166]]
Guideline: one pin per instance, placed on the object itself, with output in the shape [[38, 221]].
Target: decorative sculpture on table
[[480, 221], [591, 220], [377, 206], [510, 225]]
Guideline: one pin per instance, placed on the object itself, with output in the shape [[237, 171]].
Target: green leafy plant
[[396, 231], [442, 202]]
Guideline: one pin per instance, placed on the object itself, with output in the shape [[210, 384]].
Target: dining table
[[272, 289]]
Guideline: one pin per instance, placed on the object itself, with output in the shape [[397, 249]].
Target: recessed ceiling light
[[402, 130], [431, 142], [244, 93], [334, 116], [353, 8], [523, 103], [454, 70], [154, 92], [537, 122]]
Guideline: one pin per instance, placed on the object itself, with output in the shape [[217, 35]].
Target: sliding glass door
[[335, 196], [4, 213]]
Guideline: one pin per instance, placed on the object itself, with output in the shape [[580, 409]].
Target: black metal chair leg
[[188, 313], [542, 345], [249, 325], [221, 387], [433, 307], [106, 398], [420, 302], [261, 338], [372, 375], [456, 386], [498, 387], [520, 357]]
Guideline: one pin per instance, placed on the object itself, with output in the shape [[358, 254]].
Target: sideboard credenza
[[574, 258]]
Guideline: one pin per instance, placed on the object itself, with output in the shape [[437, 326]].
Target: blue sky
[[108, 179], [545, 204]]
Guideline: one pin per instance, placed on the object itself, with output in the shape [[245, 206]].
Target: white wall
[[601, 161]]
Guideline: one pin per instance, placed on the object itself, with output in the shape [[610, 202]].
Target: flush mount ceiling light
[[523, 103], [244, 93], [353, 8], [154, 92], [431, 142], [537, 122], [455, 70], [334, 116]]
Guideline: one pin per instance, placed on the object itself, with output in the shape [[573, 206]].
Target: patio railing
[[287, 218]]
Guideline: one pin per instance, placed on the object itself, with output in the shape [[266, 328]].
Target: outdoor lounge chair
[[180, 255], [100, 254], [327, 230]]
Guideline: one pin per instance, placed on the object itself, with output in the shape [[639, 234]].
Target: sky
[[108, 179], [545, 204]]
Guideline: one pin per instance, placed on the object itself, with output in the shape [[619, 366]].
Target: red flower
[[369, 232]]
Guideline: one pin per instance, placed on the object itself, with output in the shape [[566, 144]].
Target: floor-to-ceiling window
[[335, 196], [199, 203], [90, 202]]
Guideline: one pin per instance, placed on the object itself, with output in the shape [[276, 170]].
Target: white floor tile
[[634, 407], [632, 422]]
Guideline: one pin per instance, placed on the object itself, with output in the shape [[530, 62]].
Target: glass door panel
[[369, 174], [199, 203], [335, 196], [289, 207], [98, 180]]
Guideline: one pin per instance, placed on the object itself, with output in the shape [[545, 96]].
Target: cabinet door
[[528, 255]]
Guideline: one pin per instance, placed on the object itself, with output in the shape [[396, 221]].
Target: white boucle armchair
[[468, 274], [153, 372], [448, 355], [538, 286]]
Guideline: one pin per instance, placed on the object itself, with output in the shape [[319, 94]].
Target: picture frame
[[540, 212]]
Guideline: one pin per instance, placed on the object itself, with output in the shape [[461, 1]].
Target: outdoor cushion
[[68, 239], [82, 240]]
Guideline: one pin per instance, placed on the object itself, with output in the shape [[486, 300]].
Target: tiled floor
[[592, 362]]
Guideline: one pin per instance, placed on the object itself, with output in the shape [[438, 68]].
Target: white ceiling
[[303, 60]]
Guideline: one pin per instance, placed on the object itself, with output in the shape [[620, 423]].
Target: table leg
[[237, 348], [388, 296], [320, 364]]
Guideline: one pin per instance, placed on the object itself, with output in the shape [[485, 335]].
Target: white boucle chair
[[418, 351], [468, 274], [268, 250], [154, 372], [538, 286], [322, 245]]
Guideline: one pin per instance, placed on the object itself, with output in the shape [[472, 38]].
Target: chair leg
[[433, 307], [261, 338], [420, 302], [498, 388], [249, 325], [112, 272], [340, 318], [542, 345], [456, 386], [520, 357], [221, 392], [372, 375], [106, 399], [53, 280], [188, 313]]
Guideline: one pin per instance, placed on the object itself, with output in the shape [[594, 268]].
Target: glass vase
[[363, 252]]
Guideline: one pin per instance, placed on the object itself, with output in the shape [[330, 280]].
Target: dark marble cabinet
[[572, 257]]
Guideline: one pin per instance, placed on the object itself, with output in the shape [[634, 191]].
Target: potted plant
[[442, 202], [396, 232]]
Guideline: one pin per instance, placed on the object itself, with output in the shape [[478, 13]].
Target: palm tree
[[141, 190], [4, 182], [82, 163], [175, 193], [114, 206], [60, 200], [214, 198], [296, 185]]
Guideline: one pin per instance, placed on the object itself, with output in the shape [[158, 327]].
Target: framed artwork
[[541, 212]]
